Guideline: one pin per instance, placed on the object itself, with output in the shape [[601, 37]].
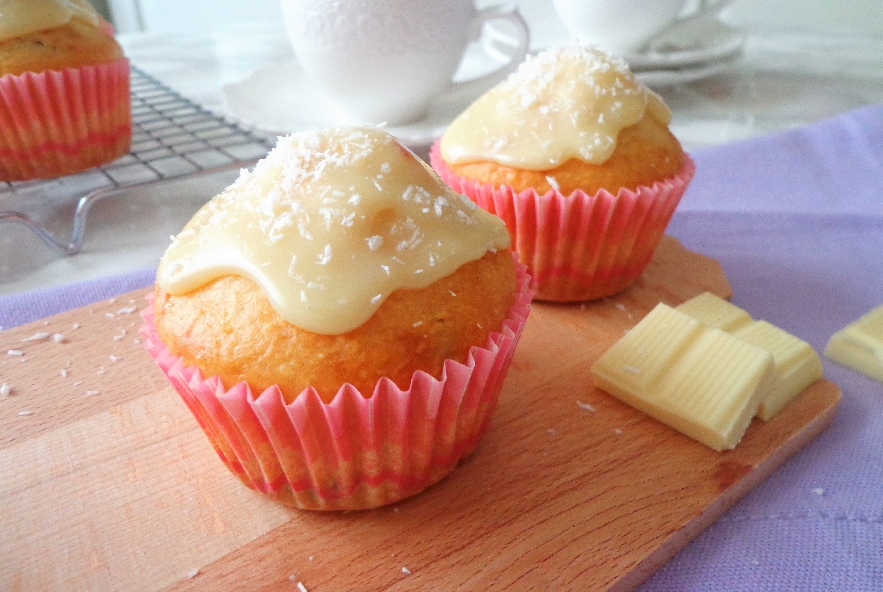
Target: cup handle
[[475, 86], [708, 7], [705, 10]]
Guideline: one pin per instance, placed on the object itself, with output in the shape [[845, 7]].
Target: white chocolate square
[[859, 345], [714, 311], [697, 379], [797, 365]]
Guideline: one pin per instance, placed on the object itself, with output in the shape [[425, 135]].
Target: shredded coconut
[[374, 242], [585, 406], [37, 337], [325, 257]]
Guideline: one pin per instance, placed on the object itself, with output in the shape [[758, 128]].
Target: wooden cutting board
[[107, 483]]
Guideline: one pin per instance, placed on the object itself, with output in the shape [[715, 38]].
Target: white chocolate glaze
[[329, 224], [21, 17], [562, 104]]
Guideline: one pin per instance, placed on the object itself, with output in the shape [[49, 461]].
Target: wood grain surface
[[107, 483]]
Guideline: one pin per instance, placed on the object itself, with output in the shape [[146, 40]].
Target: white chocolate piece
[[329, 224], [859, 345], [562, 104], [714, 311], [699, 380], [797, 365]]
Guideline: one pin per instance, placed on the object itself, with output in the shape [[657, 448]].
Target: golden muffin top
[[561, 104], [329, 224], [22, 17]]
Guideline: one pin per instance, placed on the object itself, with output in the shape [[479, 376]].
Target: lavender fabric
[[20, 309], [796, 221]]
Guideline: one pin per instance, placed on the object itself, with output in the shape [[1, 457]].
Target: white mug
[[626, 26], [386, 61]]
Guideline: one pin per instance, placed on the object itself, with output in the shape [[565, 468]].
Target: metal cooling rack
[[172, 138]]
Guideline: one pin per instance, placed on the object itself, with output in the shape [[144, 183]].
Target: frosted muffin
[[64, 90], [361, 314], [575, 154]]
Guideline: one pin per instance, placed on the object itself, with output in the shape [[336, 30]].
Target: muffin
[[65, 104], [575, 155], [361, 314]]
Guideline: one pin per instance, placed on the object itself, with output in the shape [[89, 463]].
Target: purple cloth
[[796, 220], [20, 309]]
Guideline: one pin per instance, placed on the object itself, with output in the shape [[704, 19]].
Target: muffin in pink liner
[[578, 246], [60, 122], [358, 451], [360, 312], [65, 102], [575, 155]]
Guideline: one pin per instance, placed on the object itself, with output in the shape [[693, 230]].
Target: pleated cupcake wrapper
[[59, 122], [107, 27], [579, 247], [356, 452]]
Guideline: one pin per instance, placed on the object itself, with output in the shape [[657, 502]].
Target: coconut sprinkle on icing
[[560, 104], [348, 209]]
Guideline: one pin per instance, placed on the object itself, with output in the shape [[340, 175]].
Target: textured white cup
[[388, 60], [625, 26]]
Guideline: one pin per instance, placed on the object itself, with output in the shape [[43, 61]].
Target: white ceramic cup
[[386, 61], [626, 26]]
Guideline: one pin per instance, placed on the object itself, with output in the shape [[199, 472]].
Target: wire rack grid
[[172, 138]]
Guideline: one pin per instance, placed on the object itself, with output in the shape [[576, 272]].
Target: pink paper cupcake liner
[[579, 247], [59, 122], [107, 27], [356, 452]]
